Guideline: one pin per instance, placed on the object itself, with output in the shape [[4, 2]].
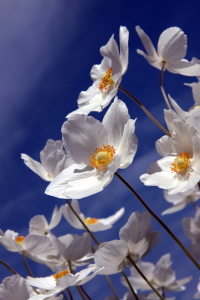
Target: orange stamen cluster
[[106, 80], [102, 157], [90, 221], [61, 274], [181, 162], [20, 240]]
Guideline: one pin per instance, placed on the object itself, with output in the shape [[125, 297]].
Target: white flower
[[160, 275], [92, 223], [136, 240], [15, 288], [191, 228], [172, 47], [53, 160], [179, 169], [34, 246], [98, 150], [106, 76], [180, 200], [39, 225], [60, 281]]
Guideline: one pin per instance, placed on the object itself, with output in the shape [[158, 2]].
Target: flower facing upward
[[98, 150], [106, 76], [172, 47]]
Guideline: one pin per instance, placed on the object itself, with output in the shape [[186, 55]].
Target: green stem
[[145, 110], [162, 86], [159, 221], [144, 277], [130, 286]]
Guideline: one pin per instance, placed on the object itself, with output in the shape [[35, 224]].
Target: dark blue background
[[47, 49]]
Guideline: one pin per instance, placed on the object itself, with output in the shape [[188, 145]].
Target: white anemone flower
[[106, 76], [98, 150], [60, 281], [180, 200], [34, 246], [171, 50], [15, 288], [160, 275], [179, 169], [191, 228], [92, 223], [53, 160], [39, 225], [136, 240]]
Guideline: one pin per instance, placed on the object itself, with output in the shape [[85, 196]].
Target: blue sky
[[47, 49]]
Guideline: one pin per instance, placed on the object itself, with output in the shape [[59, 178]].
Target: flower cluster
[[85, 161]]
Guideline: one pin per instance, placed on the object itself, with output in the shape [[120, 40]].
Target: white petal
[[82, 135], [38, 225], [70, 217], [36, 167], [147, 43], [172, 44], [46, 283], [185, 68], [123, 37]]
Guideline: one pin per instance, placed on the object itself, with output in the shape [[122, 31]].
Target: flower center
[[90, 221], [20, 240], [181, 162], [102, 157], [61, 274], [106, 80]]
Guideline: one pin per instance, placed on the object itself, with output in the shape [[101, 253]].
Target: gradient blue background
[[47, 48]]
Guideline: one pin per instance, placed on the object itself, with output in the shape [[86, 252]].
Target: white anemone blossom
[[160, 275], [191, 228], [179, 169], [106, 76], [60, 281], [180, 200], [53, 160], [171, 50], [92, 223], [98, 150], [136, 240], [39, 225]]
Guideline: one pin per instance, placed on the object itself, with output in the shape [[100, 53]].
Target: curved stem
[[83, 223], [69, 293], [65, 295], [112, 287], [145, 110], [26, 265], [144, 277], [86, 294], [8, 267], [130, 286], [162, 86], [159, 221]]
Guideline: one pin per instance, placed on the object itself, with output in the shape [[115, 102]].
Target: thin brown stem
[[86, 294], [83, 223], [144, 277], [144, 109], [65, 296], [130, 286], [8, 267], [159, 221], [80, 292], [112, 287], [162, 86], [26, 265], [69, 293]]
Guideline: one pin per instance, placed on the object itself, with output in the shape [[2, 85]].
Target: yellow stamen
[[102, 157], [89, 221], [106, 80], [181, 162], [61, 274], [20, 240]]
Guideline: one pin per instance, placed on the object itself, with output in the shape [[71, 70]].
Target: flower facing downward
[[98, 150], [106, 76], [172, 47]]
